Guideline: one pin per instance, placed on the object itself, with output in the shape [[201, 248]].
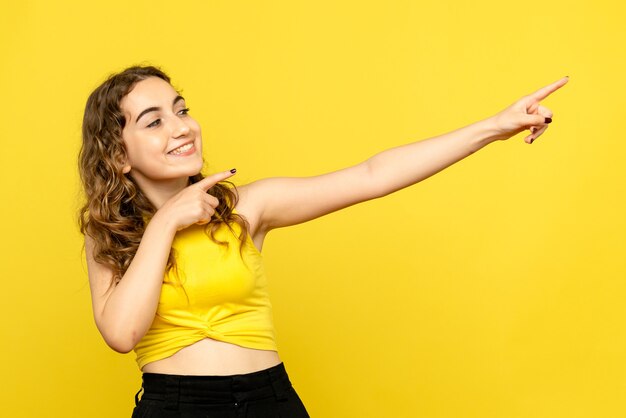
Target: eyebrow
[[152, 109]]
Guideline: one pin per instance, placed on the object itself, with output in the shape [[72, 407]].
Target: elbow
[[121, 345], [380, 188], [121, 341], [121, 348], [377, 185], [119, 333], [383, 179]]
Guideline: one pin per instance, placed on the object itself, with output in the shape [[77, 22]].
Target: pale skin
[[124, 313]]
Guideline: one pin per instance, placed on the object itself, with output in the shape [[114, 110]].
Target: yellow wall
[[494, 289]]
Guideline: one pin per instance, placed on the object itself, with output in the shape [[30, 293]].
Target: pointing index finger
[[544, 92], [210, 181]]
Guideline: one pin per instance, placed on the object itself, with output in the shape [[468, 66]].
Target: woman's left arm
[[283, 201]]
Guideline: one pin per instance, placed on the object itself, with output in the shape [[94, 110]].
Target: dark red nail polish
[[531, 140], [548, 120], [234, 170]]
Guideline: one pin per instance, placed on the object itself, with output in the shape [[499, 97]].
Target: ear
[[126, 169]]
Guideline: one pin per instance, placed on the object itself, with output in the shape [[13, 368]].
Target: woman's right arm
[[124, 312]]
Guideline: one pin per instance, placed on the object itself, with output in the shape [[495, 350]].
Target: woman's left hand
[[527, 113]]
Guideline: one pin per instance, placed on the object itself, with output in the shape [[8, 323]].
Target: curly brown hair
[[116, 211]]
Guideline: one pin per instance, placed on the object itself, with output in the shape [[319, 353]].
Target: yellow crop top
[[226, 296]]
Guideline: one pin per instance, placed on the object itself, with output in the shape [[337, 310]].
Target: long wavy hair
[[116, 211]]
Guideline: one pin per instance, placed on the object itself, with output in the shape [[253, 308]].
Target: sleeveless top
[[215, 291]]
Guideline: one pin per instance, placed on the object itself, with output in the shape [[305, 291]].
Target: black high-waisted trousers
[[264, 394]]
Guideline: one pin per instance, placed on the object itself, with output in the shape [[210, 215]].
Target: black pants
[[264, 394]]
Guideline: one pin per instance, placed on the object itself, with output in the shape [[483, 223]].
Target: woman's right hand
[[193, 204]]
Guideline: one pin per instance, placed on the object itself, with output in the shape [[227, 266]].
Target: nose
[[180, 128]]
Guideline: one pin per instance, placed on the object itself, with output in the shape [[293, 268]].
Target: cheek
[[140, 150], [196, 127], [198, 131]]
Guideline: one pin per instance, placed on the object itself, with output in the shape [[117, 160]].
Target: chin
[[198, 168]]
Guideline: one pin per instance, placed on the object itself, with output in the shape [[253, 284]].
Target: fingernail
[[234, 170], [531, 140], [548, 120]]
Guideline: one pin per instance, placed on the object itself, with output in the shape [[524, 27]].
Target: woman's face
[[163, 143]]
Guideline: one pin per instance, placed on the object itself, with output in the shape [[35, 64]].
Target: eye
[[184, 111], [155, 123]]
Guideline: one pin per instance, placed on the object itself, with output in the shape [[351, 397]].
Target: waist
[[212, 357], [202, 389]]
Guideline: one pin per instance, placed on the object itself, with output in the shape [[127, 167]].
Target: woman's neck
[[160, 192]]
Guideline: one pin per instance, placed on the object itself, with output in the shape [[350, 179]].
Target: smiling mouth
[[182, 149]]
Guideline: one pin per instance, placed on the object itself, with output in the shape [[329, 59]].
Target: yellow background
[[494, 289]]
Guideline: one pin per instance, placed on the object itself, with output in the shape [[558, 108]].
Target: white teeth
[[182, 149]]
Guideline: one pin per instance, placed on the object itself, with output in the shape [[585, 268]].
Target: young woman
[[173, 257]]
